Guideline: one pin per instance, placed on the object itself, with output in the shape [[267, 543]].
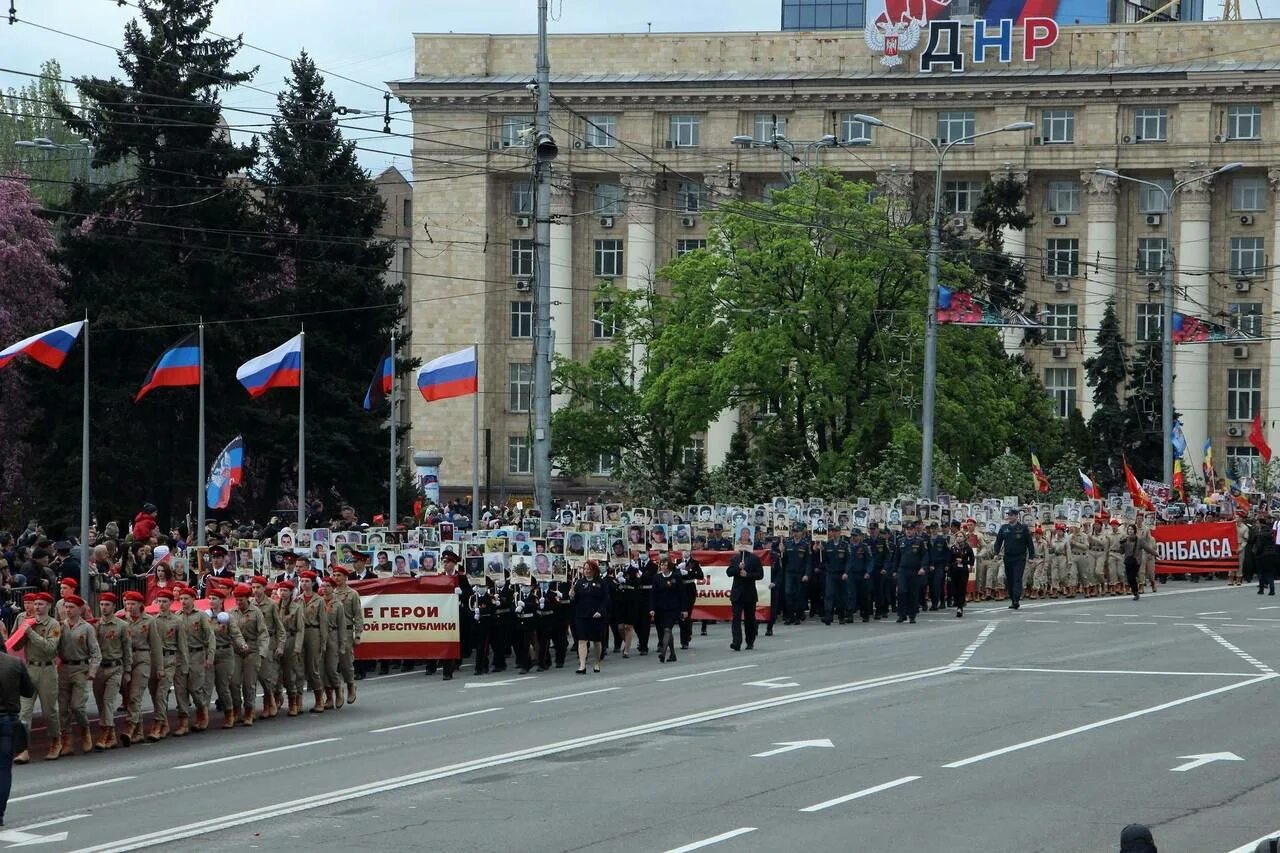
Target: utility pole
[[544, 152]]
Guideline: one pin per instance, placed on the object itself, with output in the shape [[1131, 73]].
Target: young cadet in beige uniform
[[1115, 559], [1038, 566], [257, 645], [353, 624], [144, 640], [117, 659], [334, 638], [1081, 559], [1060, 566], [173, 651], [1099, 544], [268, 670], [228, 646], [315, 631], [80, 656], [289, 685], [190, 687], [41, 643], [26, 704]]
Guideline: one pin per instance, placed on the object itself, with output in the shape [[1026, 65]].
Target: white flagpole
[[475, 443], [84, 472], [201, 500], [302, 428], [394, 467]]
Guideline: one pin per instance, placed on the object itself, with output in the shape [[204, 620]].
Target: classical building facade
[[645, 123]]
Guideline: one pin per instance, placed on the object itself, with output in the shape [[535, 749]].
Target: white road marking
[[1046, 621], [436, 720], [1141, 623], [1079, 622], [793, 745], [18, 838], [574, 695], [1261, 619], [1202, 759], [1234, 625], [1105, 671], [1239, 652], [973, 647], [1095, 601], [708, 672], [995, 753], [865, 792], [776, 683], [358, 792], [1212, 613], [501, 683], [71, 788], [54, 822], [223, 758], [715, 839], [1253, 845], [1218, 618], [1270, 607]]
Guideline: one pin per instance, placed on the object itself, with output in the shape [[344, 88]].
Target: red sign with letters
[[1196, 548]]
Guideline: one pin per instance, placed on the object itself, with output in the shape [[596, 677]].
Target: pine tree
[[1107, 373], [1144, 418]]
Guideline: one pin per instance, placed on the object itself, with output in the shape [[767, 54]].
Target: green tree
[[1002, 204], [1007, 475], [1144, 420], [734, 480], [1108, 373]]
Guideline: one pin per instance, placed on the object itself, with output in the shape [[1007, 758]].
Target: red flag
[[1140, 498], [1037, 473], [1179, 481], [1257, 440]]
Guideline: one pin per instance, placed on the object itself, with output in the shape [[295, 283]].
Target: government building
[[646, 123]]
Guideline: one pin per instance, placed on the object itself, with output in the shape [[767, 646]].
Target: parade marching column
[[562, 276], [1097, 281], [1191, 260], [640, 249]]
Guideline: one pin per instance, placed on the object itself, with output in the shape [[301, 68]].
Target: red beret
[[309, 575], [1115, 522], [45, 597], [30, 596], [216, 591], [134, 595], [258, 579], [71, 582], [339, 569], [242, 591], [186, 590], [73, 599], [168, 592], [108, 597]]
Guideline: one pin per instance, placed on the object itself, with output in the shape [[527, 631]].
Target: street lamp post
[[1166, 290], [44, 143], [791, 163], [935, 251]]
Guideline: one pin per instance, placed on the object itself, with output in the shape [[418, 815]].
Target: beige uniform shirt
[[113, 641]]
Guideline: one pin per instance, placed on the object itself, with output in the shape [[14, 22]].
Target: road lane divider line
[[857, 795], [434, 720], [63, 790], [1236, 650], [973, 647], [1132, 715], [1106, 671], [220, 759], [574, 695], [715, 839], [708, 672]]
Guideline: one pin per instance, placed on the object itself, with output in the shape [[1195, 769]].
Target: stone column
[[1100, 243], [1272, 397], [640, 251], [562, 275], [720, 431], [1015, 246], [1191, 259]]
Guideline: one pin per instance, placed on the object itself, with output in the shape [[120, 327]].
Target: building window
[[954, 125], [1244, 121], [1244, 393], [1151, 124], [1247, 259], [515, 131], [1062, 257], [684, 247], [1246, 318], [771, 407], [1152, 200], [765, 126], [685, 130], [1063, 197], [519, 387], [522, 258], [1060, 383], [852, 130], [693, 451], [691, 197], [604, 464], [1149, 323], [608, 199], [1058, 126], [1243, 461], [601, 131], [603, 324], [519, 458], [960, 196], [608, 258], [1151, 252], [823, 15], [521, 318], [1248, 194], [406, 213], [405, 265], [1060, 322], [522, 199]]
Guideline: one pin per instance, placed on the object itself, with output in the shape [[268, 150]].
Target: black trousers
[[882, 582], [865, 585], [560, 635], [910, 592], [484, 638], [1013, 569], [642, 627], [937, 584], [959, 580], [744, 611], [523, 640], [1131, 575]]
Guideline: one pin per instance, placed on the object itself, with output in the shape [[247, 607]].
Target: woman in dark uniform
[[625, 590], [590, 614], [666, 607]]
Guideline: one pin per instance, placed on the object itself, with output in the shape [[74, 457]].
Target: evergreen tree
[[314, 189], [1107, 373], [1001, 205], [734, 480], [1144, 418], [691, 481]]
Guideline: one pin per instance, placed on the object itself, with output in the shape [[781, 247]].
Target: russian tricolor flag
[[452, 375], [178, 366], [380, 387], [227, 471], [280, 368], [1090, 488], [49, 348]]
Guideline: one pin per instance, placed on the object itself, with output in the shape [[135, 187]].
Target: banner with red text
[[713, 590], [409, 618], [1196, 548]]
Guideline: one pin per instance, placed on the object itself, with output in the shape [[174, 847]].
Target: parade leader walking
[[745, 568], [15, 683]]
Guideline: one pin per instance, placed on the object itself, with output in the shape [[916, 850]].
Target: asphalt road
[[1047, 729]]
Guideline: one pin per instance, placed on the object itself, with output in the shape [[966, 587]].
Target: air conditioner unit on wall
[[522, 222], [1060, 221], [1154, 219], [688, 221], [1059, 351], [523, 285], [1235, 431], [1243, 284], [1154, 285], [1062, 285], [606, 221], [1240, 352], [1246, 219]]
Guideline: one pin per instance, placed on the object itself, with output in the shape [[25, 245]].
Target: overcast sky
[[368, 48]]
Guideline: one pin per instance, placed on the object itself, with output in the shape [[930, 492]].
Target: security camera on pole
[[544, 152]]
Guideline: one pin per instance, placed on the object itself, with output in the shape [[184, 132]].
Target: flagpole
[[394, 468], [302, 428], [201, 500], [84, 472], [475, 443]]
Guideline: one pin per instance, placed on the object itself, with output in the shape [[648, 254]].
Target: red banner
[[713, 590], [409, 618], [1196, 548]]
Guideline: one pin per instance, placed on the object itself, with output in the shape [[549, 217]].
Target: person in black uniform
[[690, 574], [835, 561], [525, 638], [545, 624], [958, 567], [463, 589], [795, 574], [590, 614], [816, 586], [484, 609], [912, 558], [504, 624], [613, 581], [667, 607], [859, 569], [643, 580], [745, 568], [1014, 540], [623, 601], [562, 608], [939, 556], [776, 585], [882, 576], [718, 541]]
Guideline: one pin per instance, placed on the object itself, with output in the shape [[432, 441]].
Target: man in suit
[[745, 568]]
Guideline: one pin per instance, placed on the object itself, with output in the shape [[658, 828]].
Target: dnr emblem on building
[[889, 39]]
